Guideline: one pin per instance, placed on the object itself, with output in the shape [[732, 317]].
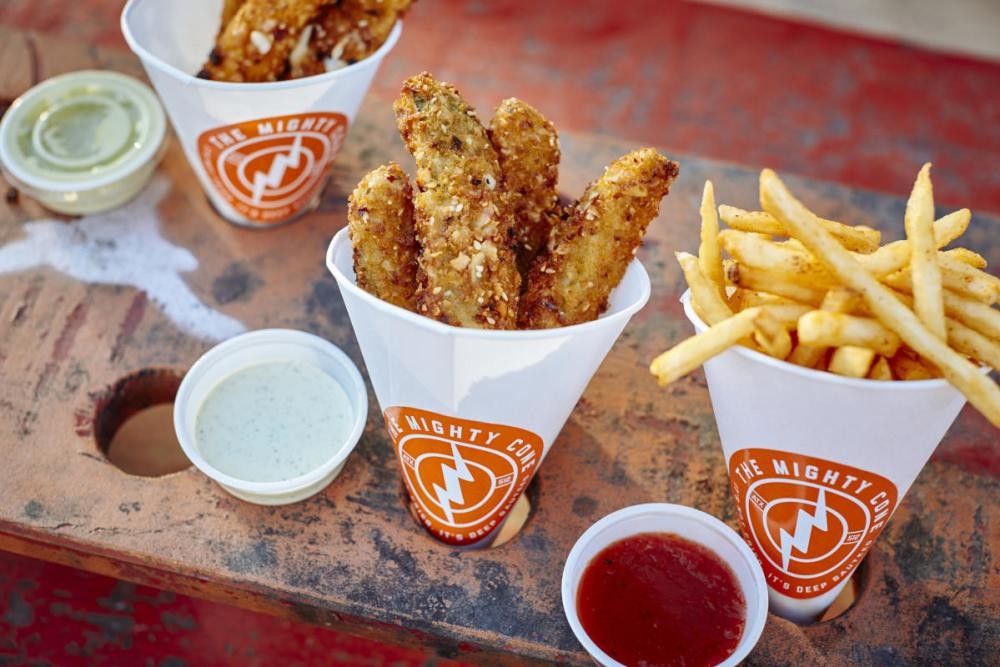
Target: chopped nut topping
[[260, 41]]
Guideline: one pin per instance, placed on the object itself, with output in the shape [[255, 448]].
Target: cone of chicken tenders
[[481, 305], [260, 93], [835, 365]]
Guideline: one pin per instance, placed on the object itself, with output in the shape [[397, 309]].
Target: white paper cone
[[818, 463], [472, 412], [260, 150]]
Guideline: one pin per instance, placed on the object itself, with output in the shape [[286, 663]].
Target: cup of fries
[[835, 366], [451, 394], [261, 148]]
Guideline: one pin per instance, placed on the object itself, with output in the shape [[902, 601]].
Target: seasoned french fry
[[760, 280], [962, 278], [856, 237], [709, 256], [756, 252], [691, 353], [808, 356], [803, 225], [973, 344], [743, 298], [973, 314], [704, 294], [880, 370], [787, 314], [820, 327], [841, 300], [906, 365], [949, 227], [928, 302], [966, 256], [851, 361], [771, 334]]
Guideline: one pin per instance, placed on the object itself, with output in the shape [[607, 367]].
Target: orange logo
[[810, 521], [267, 169], [464, 476]]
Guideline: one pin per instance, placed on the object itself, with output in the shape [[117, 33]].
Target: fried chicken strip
[[255, 45], [528, 148], [462, 225], [593, 247], [345, 33], [380, 222]]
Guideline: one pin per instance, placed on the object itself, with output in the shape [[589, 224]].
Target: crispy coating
[[591, 250], [380, 222], [256, 43], [462, 224], [345, 33], [528, 148], [229, 9]]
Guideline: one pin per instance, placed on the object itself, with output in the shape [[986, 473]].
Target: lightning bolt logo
[[453, 478], [804, 524], [276, 172]]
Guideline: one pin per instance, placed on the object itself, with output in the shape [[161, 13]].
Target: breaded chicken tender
[[593, 247], [345, 33], [380, 222], [463, 227], [255, 45], [528, 148]]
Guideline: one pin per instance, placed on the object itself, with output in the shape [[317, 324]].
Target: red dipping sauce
[[659, 599]]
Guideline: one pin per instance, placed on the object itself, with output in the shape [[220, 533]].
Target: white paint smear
[[123, 247]]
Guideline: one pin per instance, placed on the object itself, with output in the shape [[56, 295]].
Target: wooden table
[[351, 558]]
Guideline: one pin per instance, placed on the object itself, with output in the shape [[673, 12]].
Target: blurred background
[[855, 91]]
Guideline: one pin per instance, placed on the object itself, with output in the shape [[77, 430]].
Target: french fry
[[949, 227], [761, 280], [880, 370], [705, 297], [820, 327], [691, 353], [973, 344], [851, 361], [749, 249], [958, 276], [808, 356], [906, 365], [853, 237], [928, 302], [743, 298], [841, 300], [787, 314], [771, 334], [966, 256], [709, 256], [973, 314], [980, 390]]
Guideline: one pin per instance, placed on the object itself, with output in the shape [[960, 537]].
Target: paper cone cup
[[261, 150], [472, 413], [818, 463]]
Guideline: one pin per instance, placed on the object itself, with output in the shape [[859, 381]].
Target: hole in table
[[852, 591], [511, 528], [133, 424]]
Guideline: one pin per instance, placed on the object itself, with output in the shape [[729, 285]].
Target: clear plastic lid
[[81, 130]]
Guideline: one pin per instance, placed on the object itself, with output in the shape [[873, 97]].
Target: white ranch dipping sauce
[[273, 421]]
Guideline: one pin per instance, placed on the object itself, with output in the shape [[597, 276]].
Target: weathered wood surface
[[351, 557]]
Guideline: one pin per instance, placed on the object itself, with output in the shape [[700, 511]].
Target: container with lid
[[82, 142]]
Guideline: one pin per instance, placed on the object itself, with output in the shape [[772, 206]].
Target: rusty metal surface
[[352, 556]]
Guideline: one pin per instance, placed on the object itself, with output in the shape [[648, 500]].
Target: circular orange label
[[810, 521], [267, 169], [464, 476]]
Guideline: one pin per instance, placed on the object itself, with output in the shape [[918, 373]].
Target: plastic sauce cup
[[263, 346], [690, 524], [83, 142]]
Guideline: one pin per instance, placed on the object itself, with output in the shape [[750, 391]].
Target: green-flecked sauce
[[273, 421]]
